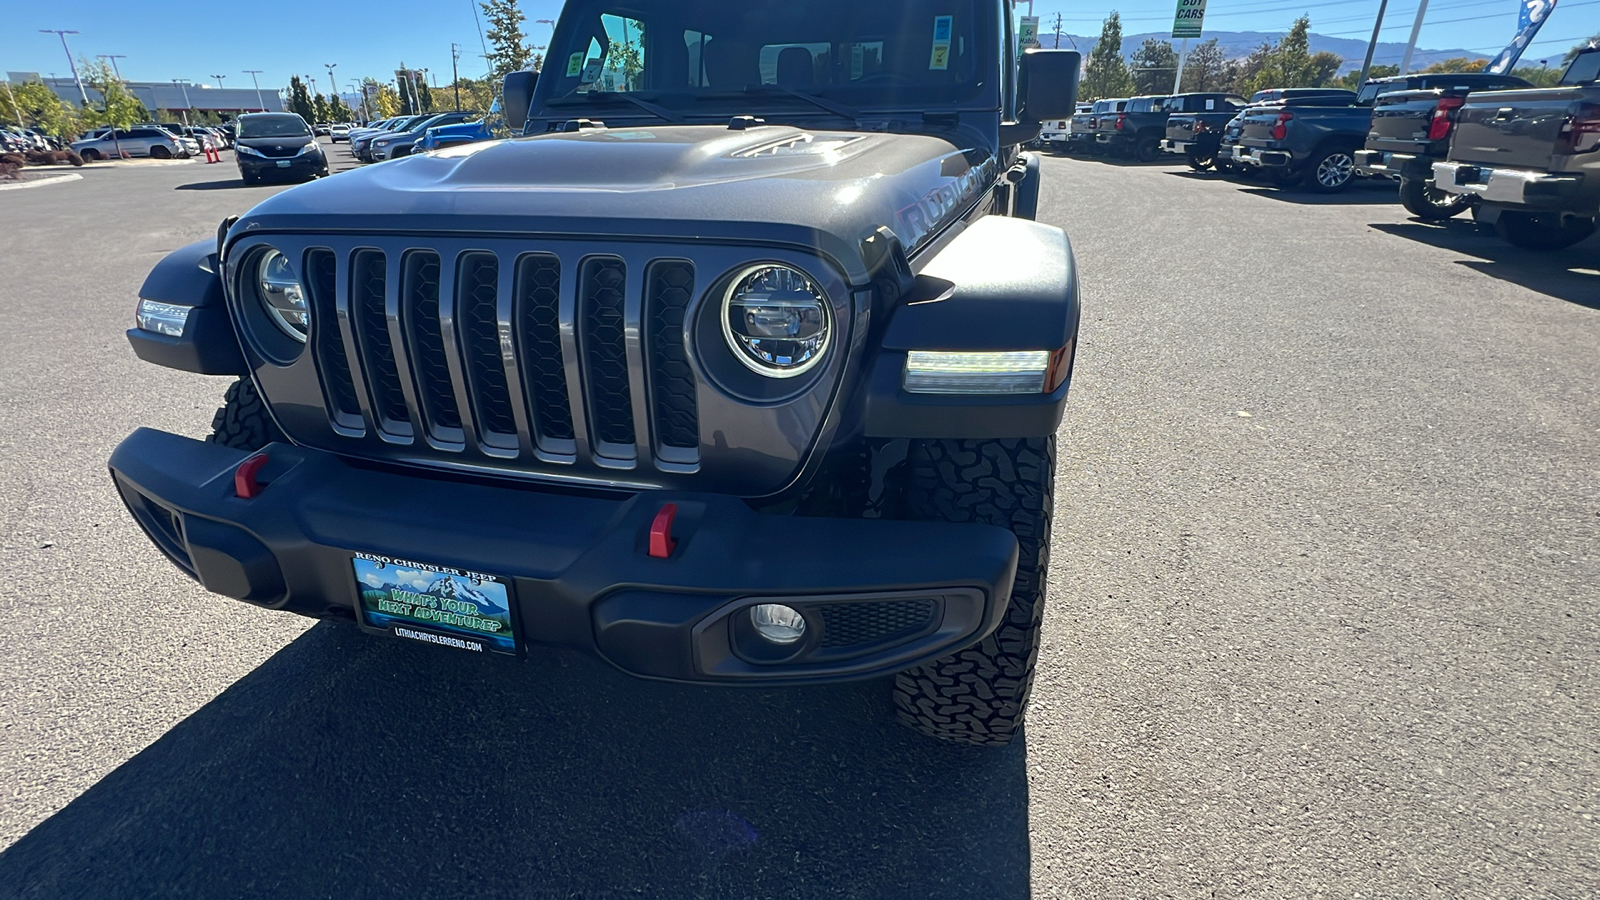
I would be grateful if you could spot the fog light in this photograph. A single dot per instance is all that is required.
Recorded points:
(778, 623)
(162, 318)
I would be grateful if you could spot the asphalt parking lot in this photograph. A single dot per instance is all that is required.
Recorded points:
(1322, 614)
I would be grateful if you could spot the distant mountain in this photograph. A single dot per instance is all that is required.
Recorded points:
(1240, 43)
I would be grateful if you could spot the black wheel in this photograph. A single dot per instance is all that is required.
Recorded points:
(1200, 161)
(1423, 200)
(1541, 231)
(242, 422)
(1331, 172)
(1147, 150)
(159, 152)
(979, 695)
(90, 155)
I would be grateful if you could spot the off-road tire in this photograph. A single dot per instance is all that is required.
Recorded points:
(1541, 231)
(1147, 150)
(980, 695)
(243, 422)
(1423, 200)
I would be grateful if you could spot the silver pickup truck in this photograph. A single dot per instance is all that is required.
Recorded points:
(1532, 158)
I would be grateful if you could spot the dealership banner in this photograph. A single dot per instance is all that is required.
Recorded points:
(1530, 19)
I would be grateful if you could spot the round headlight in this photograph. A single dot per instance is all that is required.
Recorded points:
(281, 294)
(776, 320)
(778, 623)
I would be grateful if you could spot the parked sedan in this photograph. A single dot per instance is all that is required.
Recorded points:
(338, 133)
(277, 145)
(152, 142)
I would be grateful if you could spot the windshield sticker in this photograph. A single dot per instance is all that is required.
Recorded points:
(858, 59)
(591, 72)
(940, 60)
(574, 65)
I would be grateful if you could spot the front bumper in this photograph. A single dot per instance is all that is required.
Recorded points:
(1518, 187)
(578, 565)
(304, 166)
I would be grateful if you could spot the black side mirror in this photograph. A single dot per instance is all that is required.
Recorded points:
(1047, 84)
(517, 91)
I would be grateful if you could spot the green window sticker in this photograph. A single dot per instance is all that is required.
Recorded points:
(939, 61)
(574, 65)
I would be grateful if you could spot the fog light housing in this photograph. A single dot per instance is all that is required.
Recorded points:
(162, 318)
(1010, 372)
(782, 625)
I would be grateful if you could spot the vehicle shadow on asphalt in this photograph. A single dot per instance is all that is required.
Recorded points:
(1572, 275)
(1354, 195)
(355, 766)
(229, 184)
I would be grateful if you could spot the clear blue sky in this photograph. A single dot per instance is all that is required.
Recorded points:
(287, 37)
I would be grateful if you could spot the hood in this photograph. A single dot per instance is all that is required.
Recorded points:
(825, 190)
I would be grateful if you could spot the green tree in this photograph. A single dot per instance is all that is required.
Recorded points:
(1458, 64)
(1106, 74)
(36, 106)
(1153, 67)
(1322, 69)
(382, 101)
(337, 111)
(300, 100)
(1206, 69)
(1352, 81)
(1539, 76)
(320, 108)
(1242, 72)
(118, 107)
(510, 51)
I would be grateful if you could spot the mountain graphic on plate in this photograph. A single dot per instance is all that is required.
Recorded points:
(450, 588)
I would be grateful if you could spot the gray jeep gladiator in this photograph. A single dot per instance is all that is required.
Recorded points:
(742, 365)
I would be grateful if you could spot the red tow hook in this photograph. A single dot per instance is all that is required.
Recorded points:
(245, 485)
(661, 542)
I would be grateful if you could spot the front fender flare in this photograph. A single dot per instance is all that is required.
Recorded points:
(189, 276)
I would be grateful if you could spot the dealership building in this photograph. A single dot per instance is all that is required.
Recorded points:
(176, 97)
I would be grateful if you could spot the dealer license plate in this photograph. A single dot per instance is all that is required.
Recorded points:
(435, 604)
(284, 163)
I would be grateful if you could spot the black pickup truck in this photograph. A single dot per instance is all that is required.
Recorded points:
(1314, 143)
(1531, 158)
(1410, 131)
(1194, 125)
(1135, 130)
(1081, 137)
(625, 384)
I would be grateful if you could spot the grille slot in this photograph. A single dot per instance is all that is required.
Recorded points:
(333, 365)
(419, 311)
(668, 290)
(602, 312)
(536, 305)
(856, 625)
(482, 350)
(368, 296)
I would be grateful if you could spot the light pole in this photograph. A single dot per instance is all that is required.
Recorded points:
(187, 105)
(455, 76)
(113, 57)
(361, 91)
(253, 73)
(83, 94)
(219, 80)
(331, 82)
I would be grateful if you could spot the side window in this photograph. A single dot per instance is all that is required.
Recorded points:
(696, 43)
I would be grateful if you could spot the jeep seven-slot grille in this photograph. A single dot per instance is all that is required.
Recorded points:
(510, 354)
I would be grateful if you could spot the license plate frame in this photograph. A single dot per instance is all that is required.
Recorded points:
(436, 604)
(285, 163)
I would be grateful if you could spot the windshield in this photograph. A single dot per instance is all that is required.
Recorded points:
(273, 126)
(705, 55)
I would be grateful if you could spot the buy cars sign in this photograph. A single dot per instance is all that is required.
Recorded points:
(1190, 16)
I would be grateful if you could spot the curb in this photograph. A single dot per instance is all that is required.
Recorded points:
(36, 182)
(140, 163)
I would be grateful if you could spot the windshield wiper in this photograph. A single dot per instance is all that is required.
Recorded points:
(660, 112)
(838, 109)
